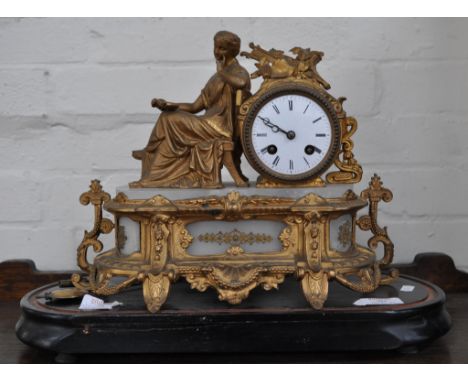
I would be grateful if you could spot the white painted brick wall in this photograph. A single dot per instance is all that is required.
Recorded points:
(74, 102)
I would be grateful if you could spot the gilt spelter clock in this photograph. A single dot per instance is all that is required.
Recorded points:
(294, 221)
(291, 133)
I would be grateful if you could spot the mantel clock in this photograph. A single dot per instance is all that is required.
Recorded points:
(179, 221)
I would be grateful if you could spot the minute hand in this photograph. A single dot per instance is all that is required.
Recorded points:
(274, 127)
(290, 134)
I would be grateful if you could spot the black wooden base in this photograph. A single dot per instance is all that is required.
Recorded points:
(274, 321)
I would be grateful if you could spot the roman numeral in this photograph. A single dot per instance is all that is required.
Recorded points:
(316, 120)
(320, 135)
(305, 159)
(261, 135)
(275, 162)
(291, 165)
(276, 108)
(306, 108)
(290, 103)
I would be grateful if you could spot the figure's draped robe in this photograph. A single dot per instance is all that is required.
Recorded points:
(185, 150)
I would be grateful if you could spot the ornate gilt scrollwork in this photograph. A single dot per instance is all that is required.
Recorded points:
(368, 279)
(99, 282)
(374, 194)
(97, 197)
(350, 171)
(233, 282)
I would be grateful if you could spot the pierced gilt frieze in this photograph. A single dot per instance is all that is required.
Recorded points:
(234, 237)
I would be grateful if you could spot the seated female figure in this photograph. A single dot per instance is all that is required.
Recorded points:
(185, 150)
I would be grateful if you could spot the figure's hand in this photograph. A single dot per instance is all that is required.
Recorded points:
(158, 103)
(163, 105)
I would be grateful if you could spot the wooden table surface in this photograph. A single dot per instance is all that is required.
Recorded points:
(451, 348)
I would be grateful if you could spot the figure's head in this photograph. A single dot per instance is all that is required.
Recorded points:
(226, 45)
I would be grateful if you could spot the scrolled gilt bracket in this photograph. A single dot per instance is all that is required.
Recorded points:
(375, 193)
(97, 197)
(350, 169)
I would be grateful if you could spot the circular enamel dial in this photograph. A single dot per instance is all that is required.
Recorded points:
(291, 135)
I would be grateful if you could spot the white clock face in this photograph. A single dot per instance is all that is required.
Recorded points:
(291, 134)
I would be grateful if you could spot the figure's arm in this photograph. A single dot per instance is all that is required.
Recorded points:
(193, 108)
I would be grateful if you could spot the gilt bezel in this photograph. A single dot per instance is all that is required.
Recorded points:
(273, 93)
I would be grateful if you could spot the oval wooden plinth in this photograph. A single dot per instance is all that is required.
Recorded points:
(274, 321)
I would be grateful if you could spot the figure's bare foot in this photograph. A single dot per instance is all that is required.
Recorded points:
(136, 184)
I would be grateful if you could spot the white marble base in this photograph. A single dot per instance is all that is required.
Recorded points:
(207, 245)
(330, 191)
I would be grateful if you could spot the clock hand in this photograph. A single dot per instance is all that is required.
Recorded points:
(274, 127)
(290, 134)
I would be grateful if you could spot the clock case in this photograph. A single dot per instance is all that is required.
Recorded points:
(285, 75)
(306, 241)
(253, 106)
